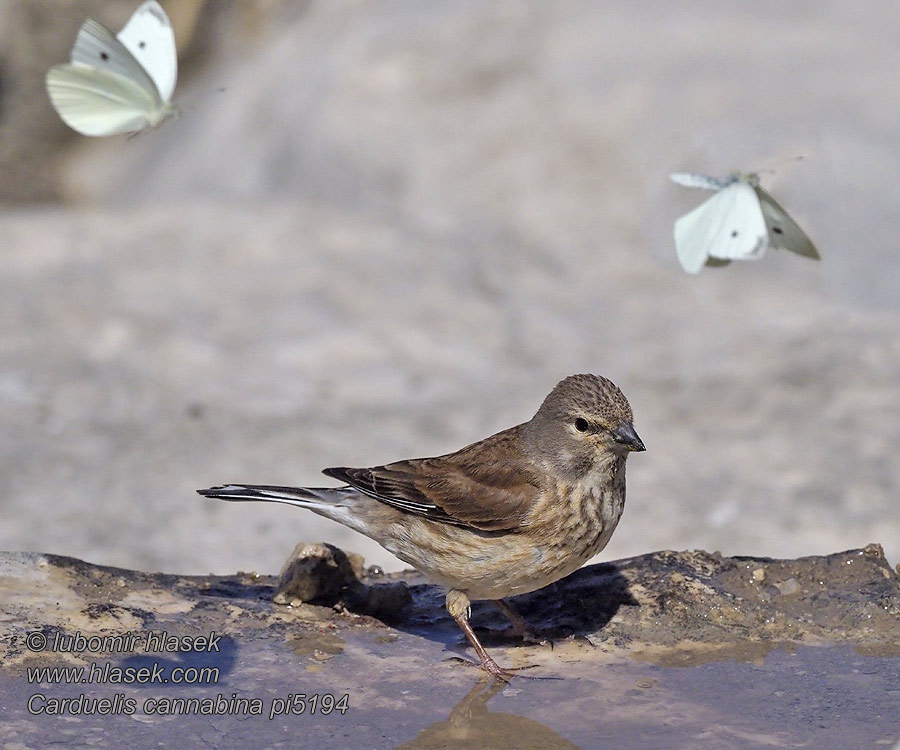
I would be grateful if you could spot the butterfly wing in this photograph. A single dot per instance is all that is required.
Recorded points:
(149, 38)
(784, 233)
(97, 47)
(728, 226)
(97, 102)
(694, 180)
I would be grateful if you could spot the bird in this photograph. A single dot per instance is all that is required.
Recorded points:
(503, 516)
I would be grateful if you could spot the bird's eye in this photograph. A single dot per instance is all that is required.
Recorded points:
(581, 425)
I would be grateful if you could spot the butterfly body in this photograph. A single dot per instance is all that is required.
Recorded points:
(118, 83)
(740, 222)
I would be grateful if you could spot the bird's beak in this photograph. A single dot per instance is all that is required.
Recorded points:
(625, 435)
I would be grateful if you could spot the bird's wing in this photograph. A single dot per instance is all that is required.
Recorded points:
(488, 485)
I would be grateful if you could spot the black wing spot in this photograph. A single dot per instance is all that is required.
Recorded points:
(778, 230)
(104, 56)
(142, 44)
(734, 232)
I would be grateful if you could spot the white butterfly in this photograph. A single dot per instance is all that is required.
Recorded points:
(118, 84)
(738, 223)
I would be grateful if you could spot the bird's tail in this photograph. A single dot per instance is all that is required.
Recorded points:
(325, 500)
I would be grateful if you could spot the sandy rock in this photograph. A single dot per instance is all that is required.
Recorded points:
(317, 572)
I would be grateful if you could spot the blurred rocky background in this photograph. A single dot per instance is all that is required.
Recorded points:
(385, 230)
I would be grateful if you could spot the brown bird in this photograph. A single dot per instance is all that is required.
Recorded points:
(503, 516)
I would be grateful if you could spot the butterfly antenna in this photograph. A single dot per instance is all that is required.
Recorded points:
(773, 168)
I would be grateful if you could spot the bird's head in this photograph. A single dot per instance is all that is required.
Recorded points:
(586, 421)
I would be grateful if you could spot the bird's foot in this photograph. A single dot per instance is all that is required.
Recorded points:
(491, 667)
(503, 674)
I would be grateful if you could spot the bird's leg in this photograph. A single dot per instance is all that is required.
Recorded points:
(460, 609)
(520, 626)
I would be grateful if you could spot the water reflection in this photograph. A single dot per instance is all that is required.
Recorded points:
(471, 724)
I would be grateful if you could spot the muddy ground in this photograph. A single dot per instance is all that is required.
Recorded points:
(682, 649)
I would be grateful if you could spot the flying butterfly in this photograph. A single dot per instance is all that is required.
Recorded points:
(740, 222)
(118, 83)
